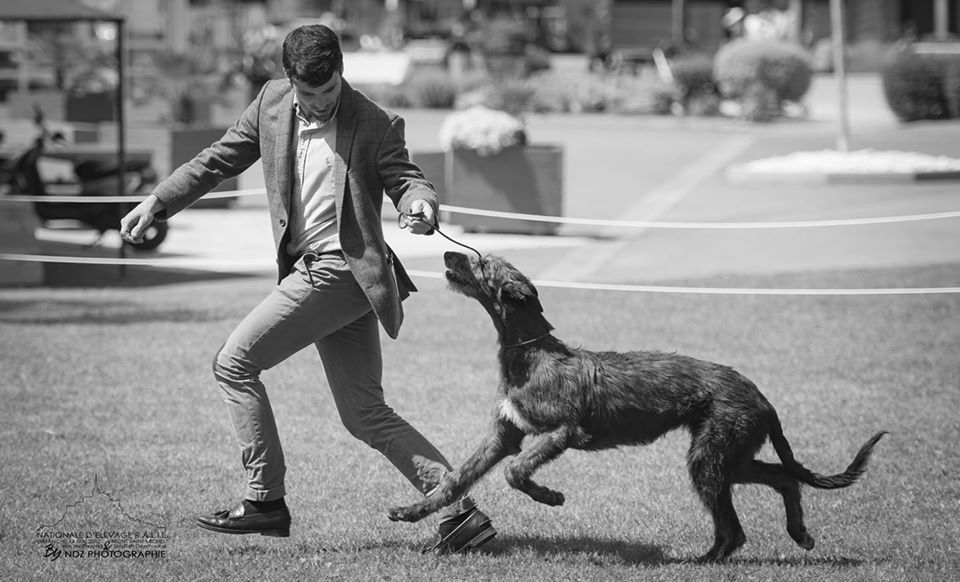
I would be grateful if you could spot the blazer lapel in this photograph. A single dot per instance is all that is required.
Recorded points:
(346, 127)
(285, 149)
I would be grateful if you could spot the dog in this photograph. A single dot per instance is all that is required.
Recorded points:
(564, 397)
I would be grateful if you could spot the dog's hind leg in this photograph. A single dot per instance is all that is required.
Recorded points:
(774, 475)
(505, 440)
(709, 464)
(541, 450)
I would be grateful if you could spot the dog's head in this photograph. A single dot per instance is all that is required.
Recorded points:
(494, 282)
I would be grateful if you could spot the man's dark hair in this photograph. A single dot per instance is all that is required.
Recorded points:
(311, 54)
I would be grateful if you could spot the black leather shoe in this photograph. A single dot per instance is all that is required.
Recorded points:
(464, 532)
(245, 519)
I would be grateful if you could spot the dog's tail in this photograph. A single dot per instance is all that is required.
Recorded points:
(856, 468)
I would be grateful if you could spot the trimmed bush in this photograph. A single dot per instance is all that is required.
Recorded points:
(760, 104)
(641, 96)
(388, 96)
(569, 93)
(951, 85)
(431, 89)
(782, 67)
(921, 86)
(515, 96)
(693, 74)
(695, 85)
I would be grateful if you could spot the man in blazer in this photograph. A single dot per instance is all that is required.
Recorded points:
(328, 156)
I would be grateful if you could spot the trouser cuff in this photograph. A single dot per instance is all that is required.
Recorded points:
(457, 508)
(265, 494)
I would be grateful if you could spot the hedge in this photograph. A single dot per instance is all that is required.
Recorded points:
(781, 67)
(921, 86)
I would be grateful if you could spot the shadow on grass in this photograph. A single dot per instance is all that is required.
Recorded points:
(69, 275)
(55, 312)
(832, 561)
(601, 550)
(306, 549)
(622, 551)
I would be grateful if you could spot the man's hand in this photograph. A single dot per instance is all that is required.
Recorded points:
(137, 220)
(424, 221)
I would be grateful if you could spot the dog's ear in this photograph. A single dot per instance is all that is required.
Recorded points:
(520, 291)
(517, 290)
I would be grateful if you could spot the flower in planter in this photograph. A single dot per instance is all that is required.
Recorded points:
(486, 131)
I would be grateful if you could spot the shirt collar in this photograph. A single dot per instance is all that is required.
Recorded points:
(313, 122)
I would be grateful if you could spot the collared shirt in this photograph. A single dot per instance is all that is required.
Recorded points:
(313, 213)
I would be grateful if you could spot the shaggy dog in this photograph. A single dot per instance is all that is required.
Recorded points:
(564, 397)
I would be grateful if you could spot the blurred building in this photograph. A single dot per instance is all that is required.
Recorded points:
(195, 28)
(654, 21)
(883, 20)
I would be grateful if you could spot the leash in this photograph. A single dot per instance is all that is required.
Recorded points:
(435, 228)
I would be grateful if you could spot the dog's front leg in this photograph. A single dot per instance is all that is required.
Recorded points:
(540, 451)
(505, 440)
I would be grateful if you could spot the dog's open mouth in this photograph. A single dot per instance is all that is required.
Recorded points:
(458, 272)
(456, 278)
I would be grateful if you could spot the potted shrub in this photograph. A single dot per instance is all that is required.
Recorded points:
(92, 97)
(489, 165)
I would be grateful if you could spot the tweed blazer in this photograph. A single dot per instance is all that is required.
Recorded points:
(371, 158)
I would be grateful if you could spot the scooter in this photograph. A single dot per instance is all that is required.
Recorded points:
(21, 175)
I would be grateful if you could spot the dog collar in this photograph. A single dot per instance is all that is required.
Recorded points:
(526, 342)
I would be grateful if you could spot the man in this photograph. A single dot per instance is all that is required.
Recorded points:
(328, 154)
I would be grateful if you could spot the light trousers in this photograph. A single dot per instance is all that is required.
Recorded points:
(318, 303)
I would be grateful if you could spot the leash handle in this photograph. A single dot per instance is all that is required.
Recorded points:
(418, 216)
(435, 228)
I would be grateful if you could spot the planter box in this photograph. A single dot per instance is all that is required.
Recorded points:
(434, 167)
(18, 226)
(187, 142)
(171, 147)
(91, 107)
(526, 179)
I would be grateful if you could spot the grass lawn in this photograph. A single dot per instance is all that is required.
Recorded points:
(114, 385)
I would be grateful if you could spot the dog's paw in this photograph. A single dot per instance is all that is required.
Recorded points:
(408, 513)
(549, 497)
(803, 539)
(400, 514)
(429, 472)
(556, 499)
(806, 542)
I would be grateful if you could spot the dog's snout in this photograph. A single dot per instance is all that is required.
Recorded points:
(453, 259)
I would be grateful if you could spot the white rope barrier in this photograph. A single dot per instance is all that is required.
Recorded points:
(159, 262)
(703, 225)
(726, 290)
(120, 199)
(554, 219)
(201, 263)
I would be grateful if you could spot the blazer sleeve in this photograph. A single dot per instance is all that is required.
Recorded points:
(402, 180)
(229, 156)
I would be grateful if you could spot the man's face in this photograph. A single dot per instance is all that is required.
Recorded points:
(318, 102)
